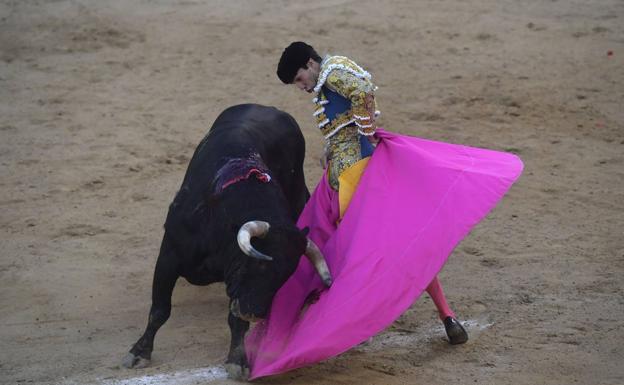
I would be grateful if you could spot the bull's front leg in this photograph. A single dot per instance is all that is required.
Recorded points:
(236, 363)
(165, 277)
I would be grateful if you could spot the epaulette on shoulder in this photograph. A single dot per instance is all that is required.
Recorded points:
(342, 63)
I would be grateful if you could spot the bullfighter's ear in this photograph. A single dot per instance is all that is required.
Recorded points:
(305, 231)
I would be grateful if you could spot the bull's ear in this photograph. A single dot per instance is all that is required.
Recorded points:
(305, 231)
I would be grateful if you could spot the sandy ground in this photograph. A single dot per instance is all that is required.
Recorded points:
(103, 102)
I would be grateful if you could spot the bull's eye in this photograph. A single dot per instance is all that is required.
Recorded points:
(262, 265)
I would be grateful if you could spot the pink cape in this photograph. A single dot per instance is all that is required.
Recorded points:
(416, 200)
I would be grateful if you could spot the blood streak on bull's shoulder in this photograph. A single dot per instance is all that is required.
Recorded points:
(239, 169)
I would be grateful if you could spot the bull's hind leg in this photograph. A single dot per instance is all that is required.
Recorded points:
(165, 277)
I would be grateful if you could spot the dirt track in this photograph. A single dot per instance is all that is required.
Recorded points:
(102, 104)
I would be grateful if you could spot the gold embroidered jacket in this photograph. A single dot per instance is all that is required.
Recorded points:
(345, 110)
(345, 77)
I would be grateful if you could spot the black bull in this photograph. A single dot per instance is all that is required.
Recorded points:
(245, 182)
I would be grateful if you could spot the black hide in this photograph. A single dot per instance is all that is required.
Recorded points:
(200, 244)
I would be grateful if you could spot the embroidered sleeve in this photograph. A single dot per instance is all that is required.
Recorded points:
(361, 93)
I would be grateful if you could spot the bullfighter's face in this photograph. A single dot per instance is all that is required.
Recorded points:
(257, 281)
(306, 78)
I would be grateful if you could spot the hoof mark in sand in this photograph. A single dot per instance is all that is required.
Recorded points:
(81, 230)
(94, 184)
(472, 250)
(490, 262)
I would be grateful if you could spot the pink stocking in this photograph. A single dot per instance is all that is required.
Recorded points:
(437, 295)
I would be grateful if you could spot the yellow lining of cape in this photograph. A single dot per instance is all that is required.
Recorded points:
(348, 182)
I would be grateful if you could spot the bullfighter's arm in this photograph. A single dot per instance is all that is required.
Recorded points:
(361, 93)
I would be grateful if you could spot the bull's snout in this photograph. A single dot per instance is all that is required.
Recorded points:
(236, 312)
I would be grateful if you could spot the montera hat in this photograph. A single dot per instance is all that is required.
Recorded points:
(295, 56)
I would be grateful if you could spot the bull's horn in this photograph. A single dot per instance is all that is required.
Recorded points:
(318, 260)
(252, 229)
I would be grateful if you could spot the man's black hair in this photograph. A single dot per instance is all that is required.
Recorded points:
(295, 56)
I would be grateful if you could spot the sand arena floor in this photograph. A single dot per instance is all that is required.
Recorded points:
(103, 102)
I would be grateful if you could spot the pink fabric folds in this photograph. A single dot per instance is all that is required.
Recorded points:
(416, 200)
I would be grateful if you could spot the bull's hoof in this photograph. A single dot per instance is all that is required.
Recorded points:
(131, 361)
(237, 372)
(455, 331)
